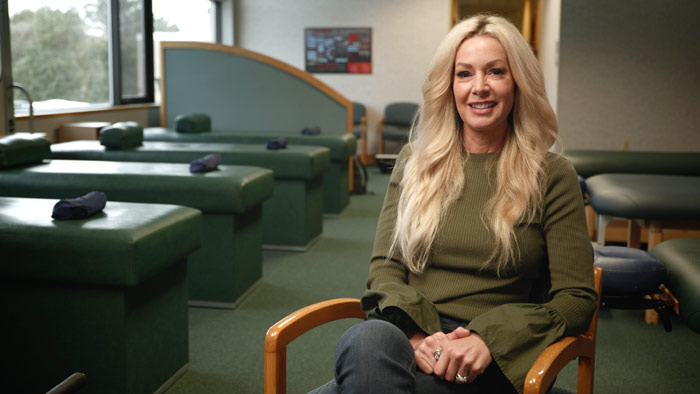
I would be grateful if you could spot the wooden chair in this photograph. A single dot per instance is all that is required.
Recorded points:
(538, 379)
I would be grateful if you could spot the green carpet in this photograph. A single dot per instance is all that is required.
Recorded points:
(226, 346)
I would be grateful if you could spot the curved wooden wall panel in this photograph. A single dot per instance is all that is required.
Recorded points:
(245, 90)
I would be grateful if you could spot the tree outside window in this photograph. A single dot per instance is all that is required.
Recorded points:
(60, 51)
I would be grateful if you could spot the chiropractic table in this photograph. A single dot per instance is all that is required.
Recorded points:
(105, 296)
(229, 262)
(292, 217)
(593, 162)
(336, 180)
(657, 203)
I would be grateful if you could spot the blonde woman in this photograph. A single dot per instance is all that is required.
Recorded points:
(481, 257)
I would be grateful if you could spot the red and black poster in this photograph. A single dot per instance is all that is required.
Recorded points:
(338, 50)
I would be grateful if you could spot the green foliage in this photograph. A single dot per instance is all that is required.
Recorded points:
(53, 56)
(57, 54)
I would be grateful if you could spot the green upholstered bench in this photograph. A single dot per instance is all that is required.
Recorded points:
(591, 162)
(292, 218)
(336, 193)
(230, 260)
(106, 296)
(682, 260)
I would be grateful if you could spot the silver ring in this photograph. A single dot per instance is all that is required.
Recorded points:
(459, 379)
(437, 353)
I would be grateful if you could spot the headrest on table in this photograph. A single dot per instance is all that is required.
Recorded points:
(121, 135)
(23, 148)
(192, 123)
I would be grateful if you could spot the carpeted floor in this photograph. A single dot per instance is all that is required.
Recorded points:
(226, 346)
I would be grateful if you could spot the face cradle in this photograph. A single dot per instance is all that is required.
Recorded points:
(483, 87)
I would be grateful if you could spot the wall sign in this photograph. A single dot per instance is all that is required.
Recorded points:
(338, 50)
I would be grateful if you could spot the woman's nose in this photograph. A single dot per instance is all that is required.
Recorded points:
(480, 86)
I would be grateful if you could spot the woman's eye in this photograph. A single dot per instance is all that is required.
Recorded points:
(498, 71)
(463, 74)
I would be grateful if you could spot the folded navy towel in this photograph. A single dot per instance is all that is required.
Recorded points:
(276, 143)
(206, 163)
(81, 207)
(313, 130)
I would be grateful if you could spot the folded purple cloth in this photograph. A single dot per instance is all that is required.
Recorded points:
(206, 163)
(81, 207)
(313, 130)
(276, 143)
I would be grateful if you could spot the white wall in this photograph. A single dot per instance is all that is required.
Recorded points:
(405, 34)
(629, 70)
(548, 48)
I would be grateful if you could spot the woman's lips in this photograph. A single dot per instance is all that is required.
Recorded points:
(482, 107)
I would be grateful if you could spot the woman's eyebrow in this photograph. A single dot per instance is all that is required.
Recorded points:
(489, 64)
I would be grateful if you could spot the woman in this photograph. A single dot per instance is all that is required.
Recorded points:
(481, 257)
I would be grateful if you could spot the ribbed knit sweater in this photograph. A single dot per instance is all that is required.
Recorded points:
(548, 294)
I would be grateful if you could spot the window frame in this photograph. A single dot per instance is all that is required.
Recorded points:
(116, 96)
(115, 71)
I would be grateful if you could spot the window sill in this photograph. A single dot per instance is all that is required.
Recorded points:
(88, 110)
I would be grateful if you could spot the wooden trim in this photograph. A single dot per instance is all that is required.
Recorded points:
(91, 110)
(454, 12)
(238, 51)
(526, 27)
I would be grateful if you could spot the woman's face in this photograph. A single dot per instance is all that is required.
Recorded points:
(483, 86)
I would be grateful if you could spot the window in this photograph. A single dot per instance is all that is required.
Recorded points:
(72, 54)
(182, 20)
(59, 53)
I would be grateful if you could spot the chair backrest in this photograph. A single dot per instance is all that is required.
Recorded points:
(400, 114)
(358, 112)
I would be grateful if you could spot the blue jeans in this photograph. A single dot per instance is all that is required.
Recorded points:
(375, 356)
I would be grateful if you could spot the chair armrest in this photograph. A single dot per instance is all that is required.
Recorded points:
(553, 359)
(71, 385)
(295, 324)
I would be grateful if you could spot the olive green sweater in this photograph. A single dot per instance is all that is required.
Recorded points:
(548, 294)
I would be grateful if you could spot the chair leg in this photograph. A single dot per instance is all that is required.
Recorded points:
(585, 375)
(276, 372)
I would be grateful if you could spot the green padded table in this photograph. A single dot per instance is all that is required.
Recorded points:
(336, 193)
(105, 295)
(230, 260)
(592, 162)
(658, 201)
(292, 217)
(682, 260)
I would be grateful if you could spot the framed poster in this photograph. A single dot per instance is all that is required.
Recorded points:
(338, 50)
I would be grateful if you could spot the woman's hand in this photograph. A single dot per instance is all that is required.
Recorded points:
(469, 356)
(425, 346)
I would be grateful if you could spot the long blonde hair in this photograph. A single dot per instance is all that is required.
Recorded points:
(433, 175)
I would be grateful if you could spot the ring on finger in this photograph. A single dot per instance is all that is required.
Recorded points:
(459, 379)
(437, 353)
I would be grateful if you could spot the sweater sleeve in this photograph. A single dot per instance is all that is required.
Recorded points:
(516, 334)
(388, 295)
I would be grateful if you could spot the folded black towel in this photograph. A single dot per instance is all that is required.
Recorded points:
(206, 163)
(313, 130)
(81, 207)
(276, 143)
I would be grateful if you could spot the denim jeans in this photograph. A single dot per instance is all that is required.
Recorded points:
(376, 357)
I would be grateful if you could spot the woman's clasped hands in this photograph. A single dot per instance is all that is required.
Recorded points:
(460, 356)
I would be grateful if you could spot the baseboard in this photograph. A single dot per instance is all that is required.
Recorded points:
(224, 305)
